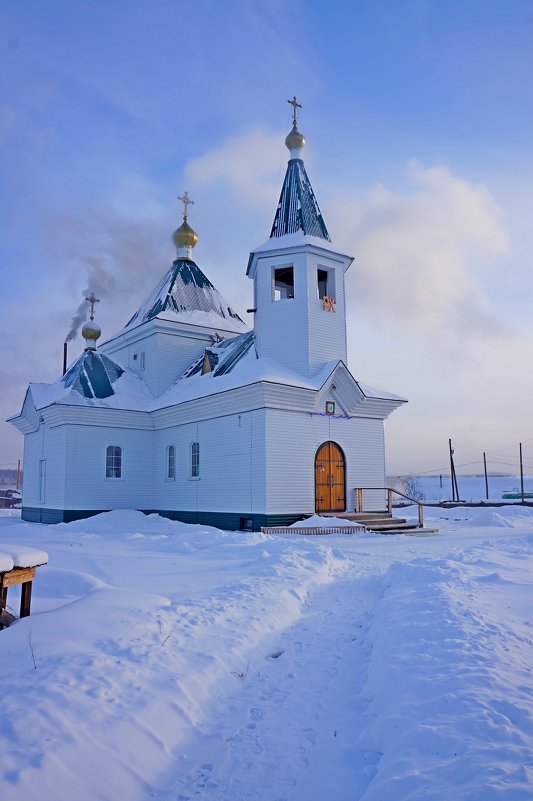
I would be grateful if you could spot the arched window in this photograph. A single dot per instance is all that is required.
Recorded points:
(195, 460)
(113, 462)
(171, 462)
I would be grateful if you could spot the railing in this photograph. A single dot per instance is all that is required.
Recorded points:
(390, 492)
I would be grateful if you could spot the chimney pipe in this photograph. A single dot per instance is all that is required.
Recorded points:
(65, 346)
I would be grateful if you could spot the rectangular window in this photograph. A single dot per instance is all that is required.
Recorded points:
(325, 280)
(113, 462)
(142, 361)
(171, 462)
(283, 283)
(195, 460)
(322, 281)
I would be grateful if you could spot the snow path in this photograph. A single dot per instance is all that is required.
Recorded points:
(298, 700)
(356, 703)
(182, 663)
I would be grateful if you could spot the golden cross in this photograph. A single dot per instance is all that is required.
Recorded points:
(294, 103)
(185, 199)
(92, 300)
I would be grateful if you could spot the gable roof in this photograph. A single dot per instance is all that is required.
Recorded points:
(298, 208)
(184, 289)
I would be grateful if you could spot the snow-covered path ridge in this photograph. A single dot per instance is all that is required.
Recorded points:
(179, 662)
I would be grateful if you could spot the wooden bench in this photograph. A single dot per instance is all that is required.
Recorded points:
(17, 566)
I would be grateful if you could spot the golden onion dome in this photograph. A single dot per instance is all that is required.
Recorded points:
(295, 140)
(184, 236)
(91, 331)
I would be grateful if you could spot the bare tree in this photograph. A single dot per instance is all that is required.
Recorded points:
(412, 487)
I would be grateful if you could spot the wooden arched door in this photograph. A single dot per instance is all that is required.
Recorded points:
(330, 493)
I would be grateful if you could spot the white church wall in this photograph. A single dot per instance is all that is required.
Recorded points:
(87, 484)
(298, 331)
(233, 464)
(231, 468)
(327, 330)
(175, 354)
(281, 325)
(292, 441)
(33, 447)
(138, 352)
(44, 468)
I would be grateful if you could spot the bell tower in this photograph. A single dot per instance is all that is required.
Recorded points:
(299, 299)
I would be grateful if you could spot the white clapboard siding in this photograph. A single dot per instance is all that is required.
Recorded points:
(48, 445)
(281, 325)
(232, 465)
(293, 440)
(327, 330)
(87, 485)
(297, 331)
(33, 447)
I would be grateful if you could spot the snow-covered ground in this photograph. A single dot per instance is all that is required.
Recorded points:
(178, 663)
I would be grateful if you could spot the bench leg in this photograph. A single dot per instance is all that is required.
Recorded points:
(3, 599)
(25, 599)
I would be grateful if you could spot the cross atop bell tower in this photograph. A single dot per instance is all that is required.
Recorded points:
(294, 103)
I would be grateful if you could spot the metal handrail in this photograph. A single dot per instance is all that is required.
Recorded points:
(390, 491)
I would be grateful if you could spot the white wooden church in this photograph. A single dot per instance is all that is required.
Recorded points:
(188, 413)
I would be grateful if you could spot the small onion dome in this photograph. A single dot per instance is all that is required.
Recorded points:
(184, 236)
(295, 140)
(91, 331)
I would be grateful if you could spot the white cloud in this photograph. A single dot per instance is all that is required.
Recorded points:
(422, 255)
(250, 165)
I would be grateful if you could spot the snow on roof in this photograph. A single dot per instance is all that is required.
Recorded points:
(127, 390)
(93, 375)
(238, 365)
(183, 291)
(234, 363)
(379, 394)
(297, 239)
(293, 240)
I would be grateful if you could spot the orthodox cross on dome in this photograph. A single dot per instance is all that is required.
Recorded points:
(294, 103)
(92, 300)
(186, 200)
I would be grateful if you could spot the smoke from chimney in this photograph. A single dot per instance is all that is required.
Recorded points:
(100, 281)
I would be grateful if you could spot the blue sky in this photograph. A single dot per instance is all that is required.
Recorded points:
(419, 123)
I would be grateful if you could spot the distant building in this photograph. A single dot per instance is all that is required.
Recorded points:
(188, 413)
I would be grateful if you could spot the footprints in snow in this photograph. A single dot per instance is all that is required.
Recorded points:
(275, 654)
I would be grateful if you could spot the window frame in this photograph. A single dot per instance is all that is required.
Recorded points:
(282, 268)
(331, 289)
(194, 461)
(170, 463)
(111, 467)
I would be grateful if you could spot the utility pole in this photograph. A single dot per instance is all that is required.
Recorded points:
(486, 479)
(17, 486)
(521, 475)
(455, 488)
